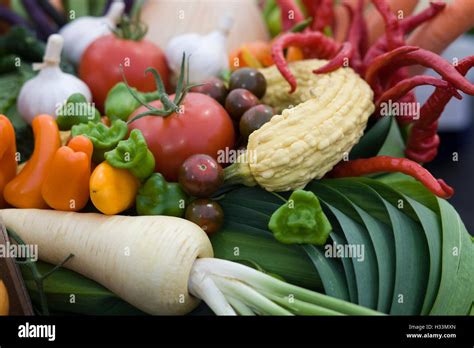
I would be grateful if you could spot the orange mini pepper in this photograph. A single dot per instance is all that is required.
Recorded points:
(66, 186)
(24, 191)
(8, 162)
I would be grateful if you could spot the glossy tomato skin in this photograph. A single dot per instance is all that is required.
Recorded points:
(100, 65)
(203, 127)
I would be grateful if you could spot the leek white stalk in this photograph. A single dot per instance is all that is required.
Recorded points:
(49, 90)
(81, 32)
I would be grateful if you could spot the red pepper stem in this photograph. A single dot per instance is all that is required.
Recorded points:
(389, 164)
(393, 31)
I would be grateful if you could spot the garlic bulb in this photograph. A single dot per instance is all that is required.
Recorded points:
(208, 53)
(81, 32)
(46, 92)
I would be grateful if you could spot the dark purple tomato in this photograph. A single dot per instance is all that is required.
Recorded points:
(253, 119)
(213, 87)
(201, 176)
(249, 79)
(206, 214)
(238, 101)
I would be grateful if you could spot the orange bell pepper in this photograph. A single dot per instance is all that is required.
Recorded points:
(8, 162)
(66, 186)
(254, 54)
(24, 191)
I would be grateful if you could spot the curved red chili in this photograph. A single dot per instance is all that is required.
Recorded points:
(401, 88)
(393, 60)
(357, 35)
(389, 164)
(412, 22)
(324, 15)
(423, 141)
(339, 60)
(316, 44)
(393, 31)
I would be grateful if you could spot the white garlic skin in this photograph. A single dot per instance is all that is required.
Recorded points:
(46, 92)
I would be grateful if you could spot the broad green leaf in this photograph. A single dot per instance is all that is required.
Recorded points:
(380, 234)
(456, 291)
(237, 241)
(372, 141)
(338, 238)
(365, 268)
(394, 144)
(330, 271)
(69, 292)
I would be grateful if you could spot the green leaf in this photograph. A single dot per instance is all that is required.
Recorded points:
(237, 241)
(366, 271)
(394, 145)
(456, 292)
(69, 292)
(372, 140)
(338, 238)
(380, 234)
(330, 271)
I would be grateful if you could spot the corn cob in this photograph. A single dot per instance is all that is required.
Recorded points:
(320, 123)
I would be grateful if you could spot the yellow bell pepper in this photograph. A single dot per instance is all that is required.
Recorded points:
(112, 190)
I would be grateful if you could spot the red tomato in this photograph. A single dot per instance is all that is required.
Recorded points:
(204, 127)
(100, 65)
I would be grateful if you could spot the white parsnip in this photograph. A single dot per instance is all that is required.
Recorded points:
(145, 260)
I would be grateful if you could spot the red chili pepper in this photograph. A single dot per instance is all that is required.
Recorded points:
(357, 35)
(324, 15)
(407, 25)
(316, 45)
(290, 14)
(340, 59)
(412, 22)
(389, 164)
(401, 88)
(371, 76)
(387, 63)
(393, 31)
(423, 141)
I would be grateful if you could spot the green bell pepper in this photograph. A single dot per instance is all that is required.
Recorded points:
(133, 154)
(103, 138)
(300, 220)
(158, 197)
(120, 103)
(75, 111)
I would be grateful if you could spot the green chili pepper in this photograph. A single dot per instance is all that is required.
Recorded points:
(75, 111)
(103, 138)
(300, 220)
(120, 104)
(158, 197)
(133, 154)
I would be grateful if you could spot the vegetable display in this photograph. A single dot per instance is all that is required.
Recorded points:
(283, 178)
